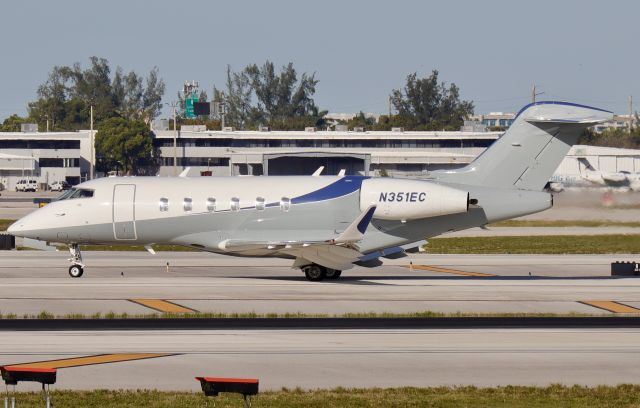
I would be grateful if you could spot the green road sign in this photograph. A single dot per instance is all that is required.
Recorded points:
(191, 99)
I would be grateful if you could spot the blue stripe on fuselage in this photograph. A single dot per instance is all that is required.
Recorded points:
(346, 185)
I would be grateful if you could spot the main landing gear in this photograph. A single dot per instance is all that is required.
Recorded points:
(77, 268)
(316, 273)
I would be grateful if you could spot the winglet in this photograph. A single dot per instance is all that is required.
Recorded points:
(318, 172)
(185, 172)
(355, 231)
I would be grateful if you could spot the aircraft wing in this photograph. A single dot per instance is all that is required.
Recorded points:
(333, 252)
(325, 253)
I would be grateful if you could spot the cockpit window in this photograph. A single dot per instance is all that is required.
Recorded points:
(76, 193)
(65, 195)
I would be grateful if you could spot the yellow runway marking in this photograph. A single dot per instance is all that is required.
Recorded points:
(163, 306)
(447, 270)
(611, 306)
(90, 360)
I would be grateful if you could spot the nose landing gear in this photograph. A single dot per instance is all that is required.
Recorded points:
(77, 268)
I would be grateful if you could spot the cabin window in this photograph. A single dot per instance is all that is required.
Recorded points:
(285, 204)
(211, 204)
(164, 204)
(235, 204)
(187, 204)
(260, 203)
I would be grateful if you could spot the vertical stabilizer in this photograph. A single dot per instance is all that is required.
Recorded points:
(530, 151)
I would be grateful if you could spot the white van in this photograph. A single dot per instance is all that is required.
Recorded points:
(59, 186)
(27, 185)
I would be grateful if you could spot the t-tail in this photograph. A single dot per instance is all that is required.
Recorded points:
(530, 151)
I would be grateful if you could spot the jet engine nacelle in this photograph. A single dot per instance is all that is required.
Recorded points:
(411, 199)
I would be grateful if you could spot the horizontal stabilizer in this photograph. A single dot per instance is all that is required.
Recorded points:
(564, 113)
(586, 121)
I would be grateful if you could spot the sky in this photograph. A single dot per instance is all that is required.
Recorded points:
(580, 51)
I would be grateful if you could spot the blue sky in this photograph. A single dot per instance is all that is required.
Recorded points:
(582, 51)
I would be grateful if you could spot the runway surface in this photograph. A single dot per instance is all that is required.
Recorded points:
(138, 283)
(322, 323)
(325, 359)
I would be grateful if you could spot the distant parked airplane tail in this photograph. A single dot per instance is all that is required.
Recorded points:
(530, 151)
(586, 163)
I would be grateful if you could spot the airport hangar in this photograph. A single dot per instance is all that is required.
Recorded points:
(56, 156)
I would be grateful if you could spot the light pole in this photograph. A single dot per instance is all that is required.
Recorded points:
(92, 147)
(174, 105)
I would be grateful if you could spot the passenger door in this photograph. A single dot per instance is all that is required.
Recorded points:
(124, 220)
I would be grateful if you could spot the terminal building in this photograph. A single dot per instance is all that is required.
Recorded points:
(230, 153)
(45, 157)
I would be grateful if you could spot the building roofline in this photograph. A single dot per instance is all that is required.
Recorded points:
(328, 135)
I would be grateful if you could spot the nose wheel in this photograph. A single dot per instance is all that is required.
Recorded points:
(76, 271)
(77, 268)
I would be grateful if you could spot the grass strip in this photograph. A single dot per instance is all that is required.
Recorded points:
(4, 224)
(546, 244)
(435, 397)
(44, 315)
(565, 223)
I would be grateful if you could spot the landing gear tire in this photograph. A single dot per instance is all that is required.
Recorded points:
(77, 266)
(333, 274)
(314, 273)
(76, 271)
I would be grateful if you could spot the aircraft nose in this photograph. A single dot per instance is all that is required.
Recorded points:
(15, 228)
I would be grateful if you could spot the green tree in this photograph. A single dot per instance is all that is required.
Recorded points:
(238, 99)
(93, 86)
(426, 104)
(152, 97)
(12, 123)
(55, 101)
(67, 94)
(612, 138)
(125, 145)
(282, 96)
(361, 120)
